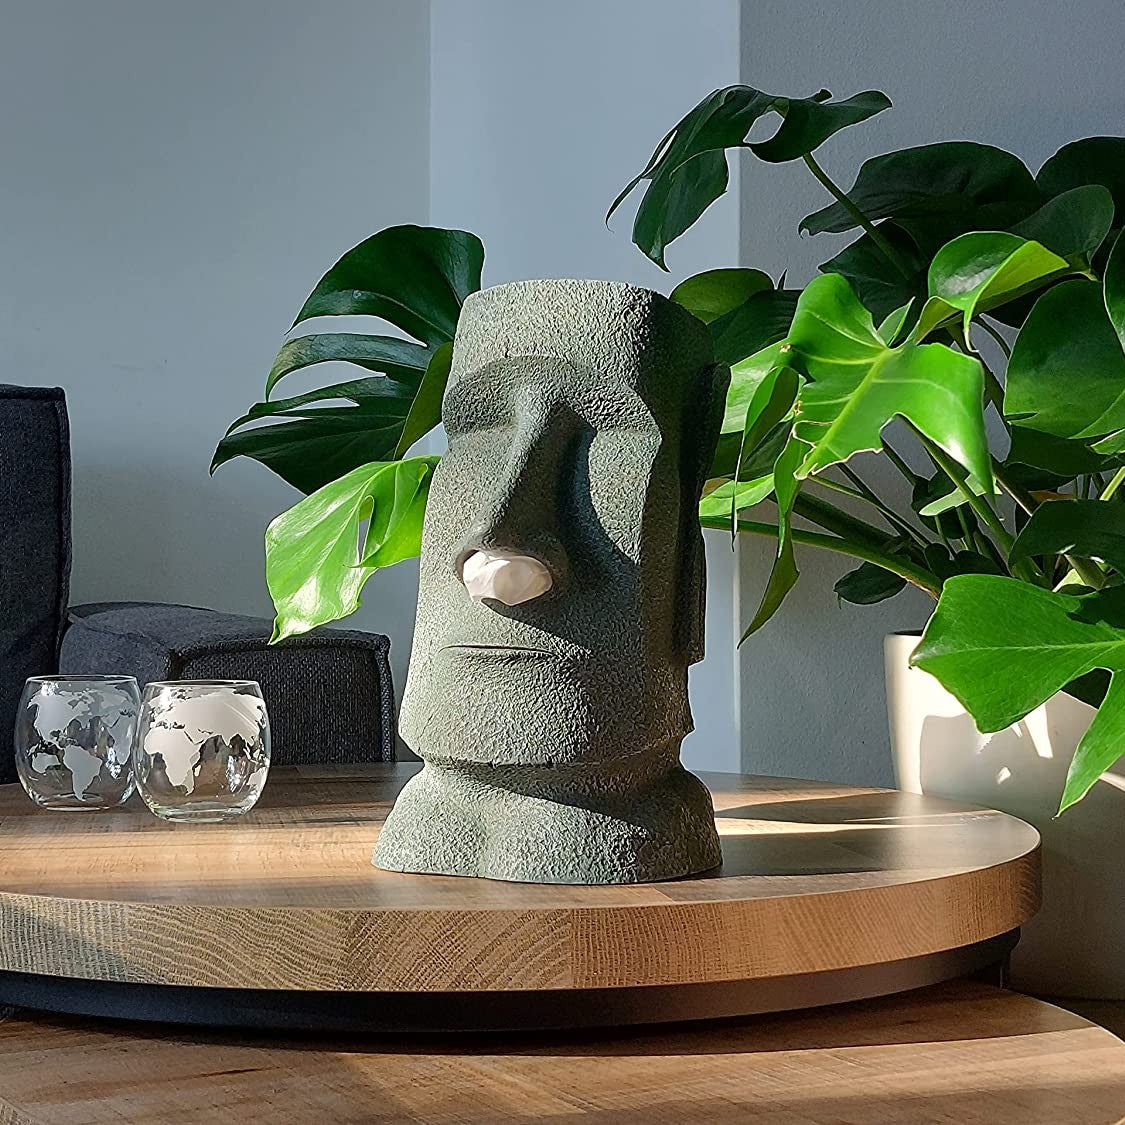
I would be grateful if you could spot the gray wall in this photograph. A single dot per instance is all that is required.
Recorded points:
(1025, 77)
(176, 178)
(540, 114)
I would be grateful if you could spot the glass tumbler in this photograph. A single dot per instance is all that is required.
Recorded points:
(202, 750)
(73, 739)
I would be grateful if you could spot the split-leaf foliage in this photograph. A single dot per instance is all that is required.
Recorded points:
(898, 351)
(962, 257)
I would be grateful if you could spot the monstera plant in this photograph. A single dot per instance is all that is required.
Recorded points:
(959, 249)
(347, 444)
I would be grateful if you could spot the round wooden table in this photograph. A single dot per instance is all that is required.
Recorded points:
(826, 894)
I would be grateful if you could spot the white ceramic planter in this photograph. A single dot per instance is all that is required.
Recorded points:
(1076, 944)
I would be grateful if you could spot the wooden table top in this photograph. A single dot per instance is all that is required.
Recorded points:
(961, 1053)
(814, 877)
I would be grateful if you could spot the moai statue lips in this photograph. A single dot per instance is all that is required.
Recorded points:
(561, 594)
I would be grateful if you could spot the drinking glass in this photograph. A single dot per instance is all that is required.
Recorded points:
(202, 750)
(73, 738)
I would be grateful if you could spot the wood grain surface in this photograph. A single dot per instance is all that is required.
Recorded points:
(956, 1054)
(814, 877)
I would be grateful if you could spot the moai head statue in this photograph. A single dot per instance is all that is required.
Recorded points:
(562, 594)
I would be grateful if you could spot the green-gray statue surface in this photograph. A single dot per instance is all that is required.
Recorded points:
(562, 594)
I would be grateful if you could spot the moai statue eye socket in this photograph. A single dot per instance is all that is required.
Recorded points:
(561, 594)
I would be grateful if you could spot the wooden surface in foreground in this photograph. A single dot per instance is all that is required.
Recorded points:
(962, 1053)
(815, 877)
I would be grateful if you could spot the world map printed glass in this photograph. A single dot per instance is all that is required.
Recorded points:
(202, 750)
(73, 739)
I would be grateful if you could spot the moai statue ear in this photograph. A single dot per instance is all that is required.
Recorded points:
(703, 419)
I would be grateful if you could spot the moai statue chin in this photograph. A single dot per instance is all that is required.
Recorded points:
(562, 594)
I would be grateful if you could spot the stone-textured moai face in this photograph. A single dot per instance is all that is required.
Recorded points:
(561, 594)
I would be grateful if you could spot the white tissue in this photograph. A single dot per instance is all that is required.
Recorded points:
(506, 576)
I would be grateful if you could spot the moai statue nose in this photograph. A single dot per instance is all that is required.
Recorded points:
(506, 576)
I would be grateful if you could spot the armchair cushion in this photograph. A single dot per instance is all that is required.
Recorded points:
(329, 693)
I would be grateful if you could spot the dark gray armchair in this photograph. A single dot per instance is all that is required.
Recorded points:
(329, 694)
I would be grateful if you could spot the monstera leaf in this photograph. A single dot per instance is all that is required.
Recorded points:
(1088, 529)
(783, 574)
(314, 443)
(1073, 224)
(1093, 160)
(1041, 640)
(771, 401)
(711, 294)
(401, 360)
(688, 171)
(868, 584)
(858, 384)
(880, 283)
(762, 319)
(936, 192)
(318, 558)
(1114, 288)
(732, 495)
(759, 413)
(1048, 457)
(745, 379)
(744, 311)
(771, 405)
(979, 271)
(425, 409)
(1114, 293)
(415, 278)
(1066, 376)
